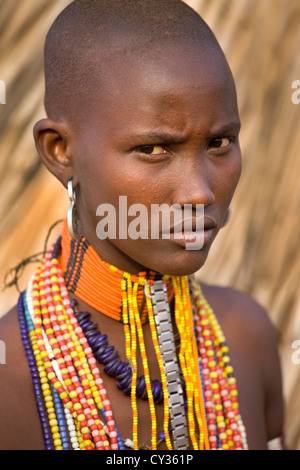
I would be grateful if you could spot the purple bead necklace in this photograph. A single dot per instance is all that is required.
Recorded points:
(110, 358)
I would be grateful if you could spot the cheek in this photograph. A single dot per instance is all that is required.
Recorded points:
(236, 171)
(104, 179)
(224, 182)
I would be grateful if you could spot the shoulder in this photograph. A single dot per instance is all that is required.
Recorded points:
(253, 342)
(13, 367)
(248, 329)
(10, 336)
(19, 424)
(240, 313)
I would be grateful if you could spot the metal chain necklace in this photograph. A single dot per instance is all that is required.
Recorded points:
(162, 315)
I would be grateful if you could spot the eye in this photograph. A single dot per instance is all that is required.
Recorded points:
(220, 142)
(152, 149)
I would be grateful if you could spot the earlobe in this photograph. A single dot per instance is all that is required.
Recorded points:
(51, 140)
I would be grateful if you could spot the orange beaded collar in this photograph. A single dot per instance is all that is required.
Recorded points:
(98, 283)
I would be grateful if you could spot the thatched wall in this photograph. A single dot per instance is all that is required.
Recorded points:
(258, 251)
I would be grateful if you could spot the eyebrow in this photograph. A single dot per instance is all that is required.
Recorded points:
(176, 137)
(172, 136)
(232, 127)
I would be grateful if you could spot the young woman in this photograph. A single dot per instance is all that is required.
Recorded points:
(125, 349)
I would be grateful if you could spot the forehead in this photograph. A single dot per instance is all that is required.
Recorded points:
(170, 81)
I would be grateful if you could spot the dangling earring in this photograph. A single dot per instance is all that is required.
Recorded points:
(227, 217)
(73, 215)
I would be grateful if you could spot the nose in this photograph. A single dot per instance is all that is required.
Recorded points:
(192, 186)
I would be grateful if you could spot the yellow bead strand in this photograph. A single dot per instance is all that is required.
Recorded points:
(125, 319)
(134, 366)
(146, 368)
(161, 368)
(200, 403)
(188, 357)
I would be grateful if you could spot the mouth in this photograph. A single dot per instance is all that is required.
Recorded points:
(193, 224)
(192, 234)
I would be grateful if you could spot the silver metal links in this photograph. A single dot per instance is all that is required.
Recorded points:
(166, 342)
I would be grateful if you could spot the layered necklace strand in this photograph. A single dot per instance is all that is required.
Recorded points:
(63, 347)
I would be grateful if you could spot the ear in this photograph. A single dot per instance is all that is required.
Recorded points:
(52, 143)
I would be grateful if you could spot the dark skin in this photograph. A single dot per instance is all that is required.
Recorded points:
(172, 139)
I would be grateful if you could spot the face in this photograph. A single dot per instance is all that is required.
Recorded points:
(162, 130)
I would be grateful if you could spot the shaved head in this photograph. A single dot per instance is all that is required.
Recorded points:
(89, 35)
(141, 102)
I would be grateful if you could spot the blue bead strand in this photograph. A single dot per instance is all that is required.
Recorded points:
(60, 416)
(26, 326)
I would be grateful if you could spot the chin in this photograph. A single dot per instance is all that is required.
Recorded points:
(183, 264)
(162, 257)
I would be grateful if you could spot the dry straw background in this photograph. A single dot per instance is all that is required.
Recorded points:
(258, 252)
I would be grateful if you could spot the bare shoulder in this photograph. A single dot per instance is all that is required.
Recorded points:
(239, 312)
(253, 344)
(10, 336)
(19, 424)
(247, 327)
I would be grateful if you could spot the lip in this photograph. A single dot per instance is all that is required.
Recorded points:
(191, 225)
(191, 233)
(191, 240)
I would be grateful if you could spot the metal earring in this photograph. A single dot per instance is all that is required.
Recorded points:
(73, 215)
(227, 217)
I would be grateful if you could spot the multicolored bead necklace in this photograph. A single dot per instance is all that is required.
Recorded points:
(63, 347)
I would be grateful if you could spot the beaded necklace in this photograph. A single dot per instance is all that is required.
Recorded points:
(96, 282)
(63, 347)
